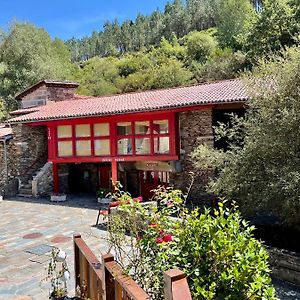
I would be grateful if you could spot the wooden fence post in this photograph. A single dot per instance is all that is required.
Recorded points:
(76, 260)
(108, 279)
(176, 286)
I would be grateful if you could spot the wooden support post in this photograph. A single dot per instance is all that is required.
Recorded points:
(114, 172)
(176, 286)
(55, 178)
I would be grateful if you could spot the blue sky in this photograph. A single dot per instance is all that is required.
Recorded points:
(66, 18)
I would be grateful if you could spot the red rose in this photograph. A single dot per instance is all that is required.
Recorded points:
(159, 240)
(168, 238)
(162, 232)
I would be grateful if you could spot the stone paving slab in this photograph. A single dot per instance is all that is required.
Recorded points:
(25, 224)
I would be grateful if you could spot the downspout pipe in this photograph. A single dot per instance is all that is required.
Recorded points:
(4, 140)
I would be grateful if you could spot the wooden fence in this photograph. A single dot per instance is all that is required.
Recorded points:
(105, 280)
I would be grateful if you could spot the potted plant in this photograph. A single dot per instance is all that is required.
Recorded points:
(58, 275)
(104, 198)
(55, 197)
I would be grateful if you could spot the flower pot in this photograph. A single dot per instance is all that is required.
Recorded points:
(104, 202)
(58, 198)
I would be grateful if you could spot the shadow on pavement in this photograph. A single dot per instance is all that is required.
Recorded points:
(78, 201)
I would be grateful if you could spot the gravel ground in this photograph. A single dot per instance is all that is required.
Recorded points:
(285, 290)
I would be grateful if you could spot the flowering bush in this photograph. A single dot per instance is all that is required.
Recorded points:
(215, 249)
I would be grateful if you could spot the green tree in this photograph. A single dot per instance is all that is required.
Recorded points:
(98, 77)
(132, 63)
(224, 64)
(202, 14)
(275, 27)
(262, 169)
(27, 55)
(2, 110)
(200, 45)
(168, 49)
(234, 17)
(140, 33)
(127, 36)
(175, 20)
(170, 74)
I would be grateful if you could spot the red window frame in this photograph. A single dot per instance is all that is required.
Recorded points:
(133, 136)
(74, 139)
(113, 137)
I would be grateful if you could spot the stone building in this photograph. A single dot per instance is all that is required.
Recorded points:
(61, 142)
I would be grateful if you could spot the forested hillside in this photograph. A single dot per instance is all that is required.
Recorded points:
(179, 18)
(191, 41)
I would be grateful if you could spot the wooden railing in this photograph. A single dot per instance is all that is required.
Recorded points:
(105, 280)
(176, 286)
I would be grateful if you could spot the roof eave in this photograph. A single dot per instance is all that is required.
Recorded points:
(126, 112)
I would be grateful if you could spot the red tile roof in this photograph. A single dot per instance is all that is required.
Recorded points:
(4, 131)
(23, 111)
(228, 91)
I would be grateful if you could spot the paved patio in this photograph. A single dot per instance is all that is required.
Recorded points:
(26, 223)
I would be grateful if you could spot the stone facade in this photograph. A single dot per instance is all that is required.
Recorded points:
(7, 182)
(195, 129)
(60, 93)
(27, 152)
(32, 149)
(63, 175)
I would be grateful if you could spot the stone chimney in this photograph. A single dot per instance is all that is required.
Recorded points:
(47, 91)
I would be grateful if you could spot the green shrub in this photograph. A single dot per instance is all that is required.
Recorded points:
(200, 46)
(216, 249)
(224, 64)
(221, 257)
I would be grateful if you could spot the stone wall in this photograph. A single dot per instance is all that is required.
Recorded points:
(39, 93)
(285, 265)
(63, 177)
(26, 153)
(8, 185)
(32, 149)
(195, 129)
(60, 93)
(42, 184)
(50, 93)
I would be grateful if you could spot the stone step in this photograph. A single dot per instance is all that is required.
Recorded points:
(25, 191)
(24, 196)
(27, 186)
